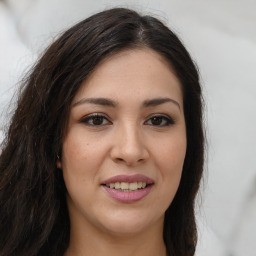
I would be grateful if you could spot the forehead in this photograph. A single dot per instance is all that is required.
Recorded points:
(130, 73)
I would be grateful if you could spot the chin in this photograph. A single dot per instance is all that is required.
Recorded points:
(129, 224)
(124, 229)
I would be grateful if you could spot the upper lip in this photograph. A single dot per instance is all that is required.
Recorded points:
(129, 179)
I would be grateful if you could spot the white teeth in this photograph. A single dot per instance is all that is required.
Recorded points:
(139, 184)
(133, 186)
(126, 186)
(117, 185)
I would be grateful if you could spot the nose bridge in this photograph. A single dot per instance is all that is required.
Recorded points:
(129, 145)
(131, 137)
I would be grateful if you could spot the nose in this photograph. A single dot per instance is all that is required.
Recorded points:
(128, 146)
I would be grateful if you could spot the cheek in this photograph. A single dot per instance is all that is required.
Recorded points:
(171, 157)
(78, 172)
(82, 157)
(74, 159)
(77, 152)
(171, 154)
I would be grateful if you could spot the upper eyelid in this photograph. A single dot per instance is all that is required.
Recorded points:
(87, 118)
(95, 114)
(170, 118)
(160, 115)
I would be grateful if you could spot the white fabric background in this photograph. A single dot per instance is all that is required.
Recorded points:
(221, 36)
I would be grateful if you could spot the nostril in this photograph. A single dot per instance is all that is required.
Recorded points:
(128, 161)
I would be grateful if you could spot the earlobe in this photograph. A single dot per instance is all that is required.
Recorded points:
(58, 163)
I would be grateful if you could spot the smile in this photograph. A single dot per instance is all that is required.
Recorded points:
(128, 188)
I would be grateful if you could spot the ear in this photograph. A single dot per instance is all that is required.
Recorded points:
(58, 163)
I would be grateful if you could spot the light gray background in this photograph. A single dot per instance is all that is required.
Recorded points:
(221, 36)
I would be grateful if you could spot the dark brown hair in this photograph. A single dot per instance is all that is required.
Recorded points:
(33, 214)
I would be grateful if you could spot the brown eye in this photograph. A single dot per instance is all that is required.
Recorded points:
(157, 120)
(160, 120)
(95, 120)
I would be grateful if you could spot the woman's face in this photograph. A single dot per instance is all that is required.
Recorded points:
(125, 145)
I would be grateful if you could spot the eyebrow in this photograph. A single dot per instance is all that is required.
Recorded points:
(159, 101)
(96, 101)
(112, 103)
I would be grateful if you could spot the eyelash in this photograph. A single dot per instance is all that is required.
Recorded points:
(88, 120)
(167, 120)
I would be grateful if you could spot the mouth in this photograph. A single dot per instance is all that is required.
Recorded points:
(128, 188)
(128, 182)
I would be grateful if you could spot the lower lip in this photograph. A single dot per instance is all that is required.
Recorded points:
(128, 197)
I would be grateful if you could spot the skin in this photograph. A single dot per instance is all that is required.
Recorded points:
(126, 140)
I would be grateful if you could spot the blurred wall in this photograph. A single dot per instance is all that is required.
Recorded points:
(221, 36)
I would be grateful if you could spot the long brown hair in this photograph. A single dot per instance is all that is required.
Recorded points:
(33, 214)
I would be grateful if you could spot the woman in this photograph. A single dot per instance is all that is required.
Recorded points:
(104, 153)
